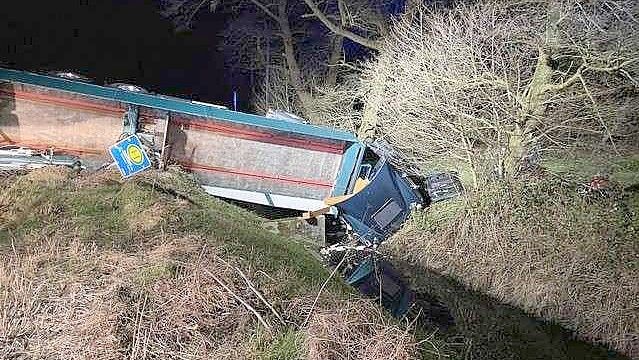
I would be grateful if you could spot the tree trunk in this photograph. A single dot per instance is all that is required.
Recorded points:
(521, 139)
(294, 72)
(334, 58)
(337, 48)
(368, 128)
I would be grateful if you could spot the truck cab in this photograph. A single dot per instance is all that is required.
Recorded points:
(380, 196)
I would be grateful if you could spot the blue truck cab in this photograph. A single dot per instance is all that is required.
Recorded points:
(382, 199)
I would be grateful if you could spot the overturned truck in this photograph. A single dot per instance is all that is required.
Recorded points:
(269, 161)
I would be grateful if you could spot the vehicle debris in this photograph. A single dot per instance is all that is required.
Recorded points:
(23, 158)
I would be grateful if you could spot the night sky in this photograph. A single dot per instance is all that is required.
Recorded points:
(120, 40)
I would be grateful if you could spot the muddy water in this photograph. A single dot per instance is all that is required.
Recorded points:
(478, 327)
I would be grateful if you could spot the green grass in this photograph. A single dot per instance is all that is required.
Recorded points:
(152, 273)
(623, 169)
(285, 346)
(265, 250)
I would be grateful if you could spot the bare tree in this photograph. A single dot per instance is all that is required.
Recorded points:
(274, 12)
(310, 63)
(491, 83)
(275, 92)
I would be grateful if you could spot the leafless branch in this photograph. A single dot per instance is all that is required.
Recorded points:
(266, 10)
(339, 30)
(246, 305)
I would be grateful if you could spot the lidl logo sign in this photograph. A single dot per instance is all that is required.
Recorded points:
(129, 156)
(135, 154)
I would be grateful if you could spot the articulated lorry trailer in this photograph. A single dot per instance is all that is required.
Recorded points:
(54, 119)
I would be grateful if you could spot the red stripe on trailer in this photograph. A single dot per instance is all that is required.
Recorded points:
(212, 126)
(56, 100)
(263, 136)
(307, 182)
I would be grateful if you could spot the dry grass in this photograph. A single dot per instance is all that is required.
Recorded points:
(48, 311)
(72, 301)
(544, 248)
(80, 277)
(357, 331)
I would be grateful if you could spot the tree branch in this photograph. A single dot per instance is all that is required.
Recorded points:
(611, 69)
(339, 30)
(259, 317)
(294, 71)
(571, 80)
(577, 76)
(266, 10)
(197, 8)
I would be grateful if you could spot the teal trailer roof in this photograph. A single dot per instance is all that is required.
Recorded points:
(174, 105)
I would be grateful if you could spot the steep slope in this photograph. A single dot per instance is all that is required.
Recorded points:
(555, 245)
(95, 267)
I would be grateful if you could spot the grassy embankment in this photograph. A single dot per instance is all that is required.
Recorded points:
(93, 267)
(545, 245)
